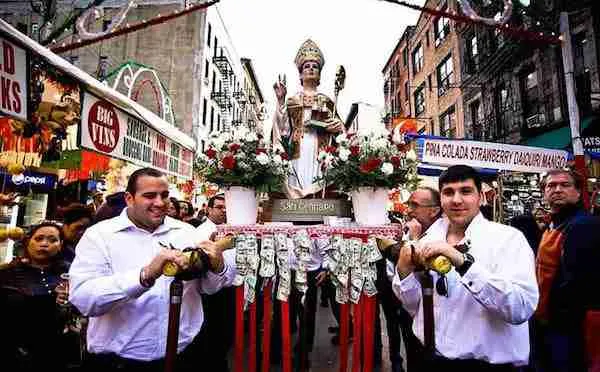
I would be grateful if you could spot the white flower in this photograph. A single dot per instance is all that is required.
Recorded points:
(262, 158)
(387, 168)
(243, 165)
(278, 149)
(344, 154)
(251, 137)
(322, 156)
(277, 160)
(379, 143)
(240, 133)
(341, 139)
(411, 155)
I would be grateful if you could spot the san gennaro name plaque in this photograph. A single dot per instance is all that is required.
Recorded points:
(308, 210)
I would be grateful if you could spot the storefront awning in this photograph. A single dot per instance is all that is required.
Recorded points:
(101, 90)
(559, 138)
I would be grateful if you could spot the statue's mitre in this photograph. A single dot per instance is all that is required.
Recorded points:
(309, 51)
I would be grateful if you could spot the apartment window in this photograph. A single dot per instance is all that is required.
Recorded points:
(206, 69)
(418, 59)
(74, 60)
(22, 28)
(406, 91)
(219, 122)
(472, 54)
(212, 119)
(501, 106)
(215, 47)
(35, 31)
(214, 81)
(398, 103)
(105, 24)
(420, 100)
(475, 113)
(427, 38)
(204, 103)
(530, 98)
(209, 35)
(445, 72)
(441, 28)
(448, 123)
(405, 57)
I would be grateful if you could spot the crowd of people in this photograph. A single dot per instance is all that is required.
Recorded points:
(90, 293)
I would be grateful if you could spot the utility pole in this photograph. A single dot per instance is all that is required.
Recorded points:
(574, 120)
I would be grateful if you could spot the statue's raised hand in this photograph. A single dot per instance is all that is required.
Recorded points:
(280, 90)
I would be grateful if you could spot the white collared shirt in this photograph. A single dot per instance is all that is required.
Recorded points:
(485, 314)
(204, 232)
(126, 318)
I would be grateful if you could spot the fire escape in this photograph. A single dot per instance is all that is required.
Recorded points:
(224, 95)
(240, 97)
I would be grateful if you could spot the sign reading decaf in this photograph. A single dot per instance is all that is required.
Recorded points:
(13, 80)
(111, 131)
(493, 155)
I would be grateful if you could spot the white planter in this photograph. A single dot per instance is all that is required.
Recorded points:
(370, 205)
(241, 204)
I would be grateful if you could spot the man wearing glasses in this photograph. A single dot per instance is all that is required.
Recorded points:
(568, 315)
(423, 210)
(481, 315)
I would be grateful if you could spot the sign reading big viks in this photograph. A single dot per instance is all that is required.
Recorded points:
(493, 155)
(13, 80)
(111, 131)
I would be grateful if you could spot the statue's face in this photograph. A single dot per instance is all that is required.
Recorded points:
(311, 71)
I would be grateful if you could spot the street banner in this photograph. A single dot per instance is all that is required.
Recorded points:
(111, 131)
(13, 80)
(492, 155)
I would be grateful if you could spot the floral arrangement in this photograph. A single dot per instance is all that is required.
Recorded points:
(373, 157)
(241, 158)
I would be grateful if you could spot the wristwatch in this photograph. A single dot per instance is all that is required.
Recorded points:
(468, 261)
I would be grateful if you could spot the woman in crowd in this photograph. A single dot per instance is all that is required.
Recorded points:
(174, 208)
(32, 335)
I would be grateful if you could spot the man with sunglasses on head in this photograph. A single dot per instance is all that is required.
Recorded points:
(482, 308)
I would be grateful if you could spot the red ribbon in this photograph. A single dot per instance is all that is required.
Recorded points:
(266, 351)
(252, 336)
(239, 329)
(286, 353)
(369, 307)
(356, 346)
(344, 329)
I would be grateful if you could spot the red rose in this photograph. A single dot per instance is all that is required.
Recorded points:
(211, 153)
(234, 147)
(370, 165)
(403, 147)
(261, 151)
(284, 156)
(354, 150)
(395, 160)
(330, 149)
(228, 162)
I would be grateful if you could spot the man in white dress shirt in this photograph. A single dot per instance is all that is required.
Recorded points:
(216, 337)
(481, 320)
(116, 280)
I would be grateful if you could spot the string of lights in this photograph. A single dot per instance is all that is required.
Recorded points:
(159, 19)
(515, 32)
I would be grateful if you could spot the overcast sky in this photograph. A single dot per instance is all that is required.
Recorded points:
(359, 34)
